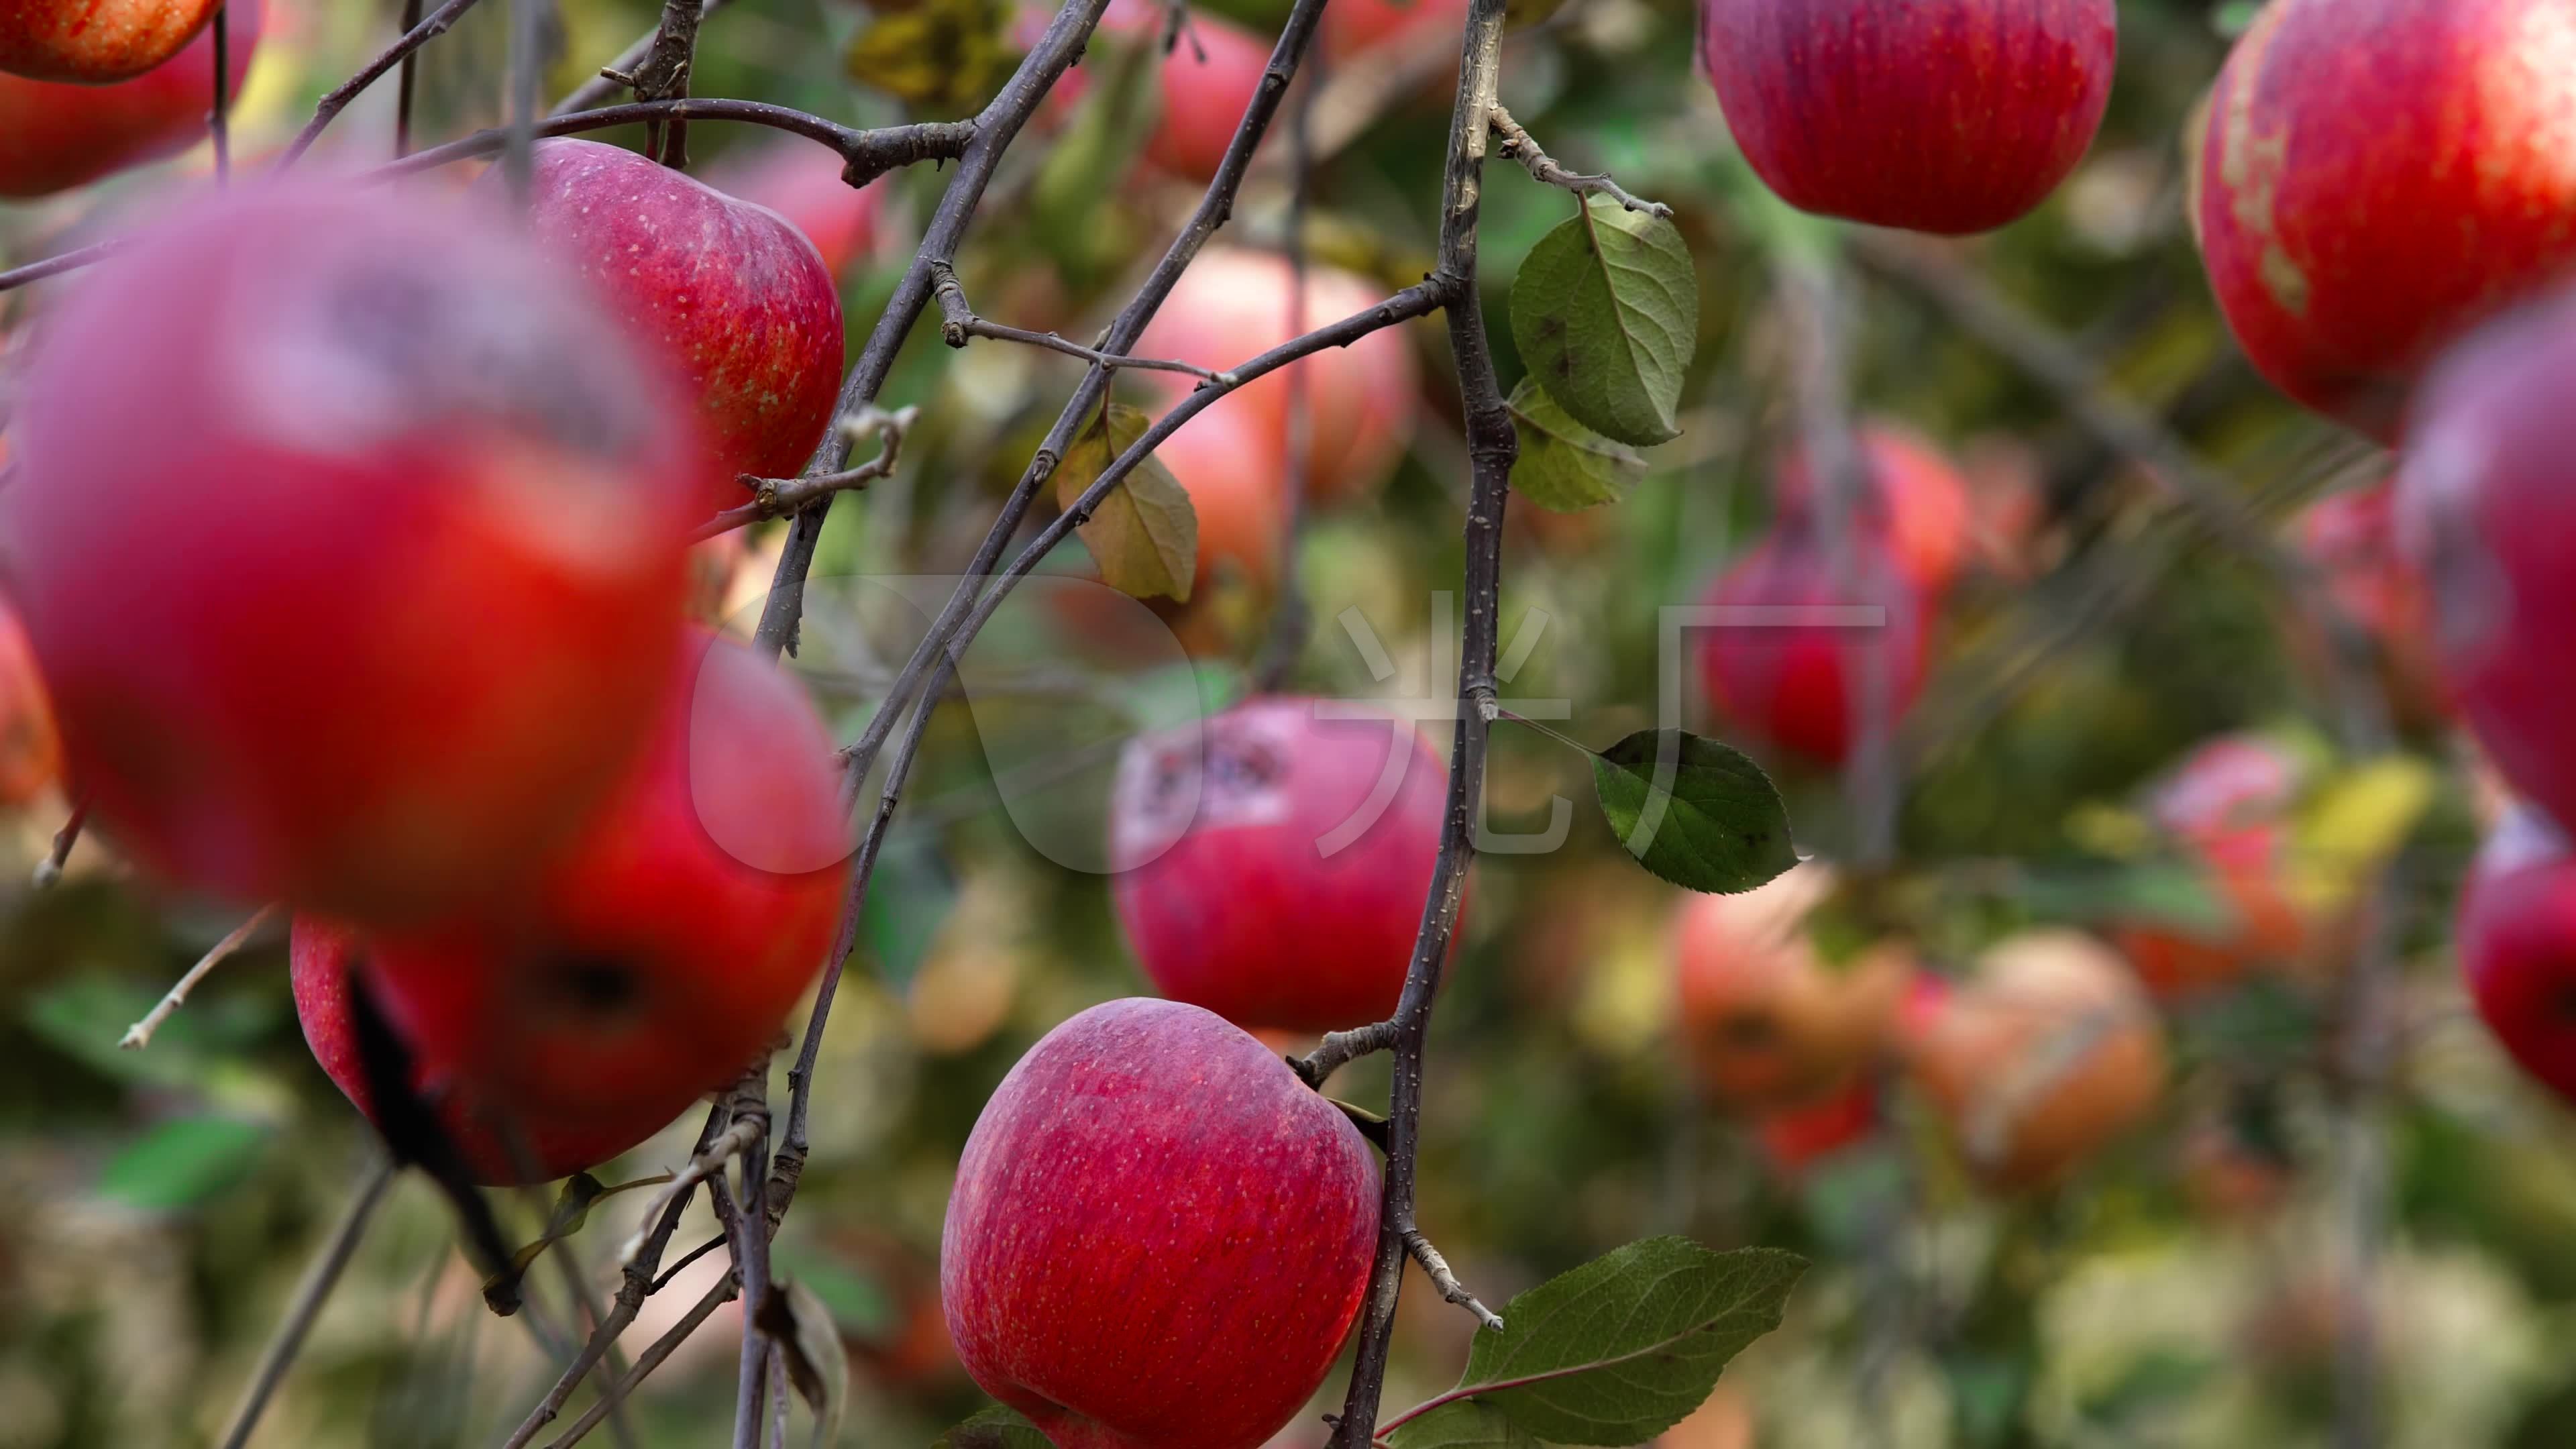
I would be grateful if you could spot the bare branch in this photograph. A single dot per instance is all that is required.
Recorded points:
(139, 1035)
(309, 1298)
(959, 324)
(1436, 1268)
(778, 497)
(866, 154)
(55, 266)
(438, 24)
(620, 74)
(218, 116)
(664, 75)
(736, 1138)
(724, 1292)
(1544, 169)
(407, 84)
(50, 869)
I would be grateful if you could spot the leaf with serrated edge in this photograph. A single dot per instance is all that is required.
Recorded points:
(1606, 312)
(1564, 466)
(801, 1326)
(1144, 536)
(1626, 1346)
(998, 1427)
(1717, 825)
(1466, 1424)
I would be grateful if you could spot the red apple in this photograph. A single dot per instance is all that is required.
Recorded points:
(2227, 809)
(732, 292)
(31, 752)
(1232, 305)
(1915, 500)
(350, 537)
(1159, 1236)
(501, 1142)
(55, 135)
(1352, 28)
(1794, 1139)
(663, 949)
(1948, 116)
(96, 42)
(2487, 521)
(801, 181)
(1765, 1019)
(2042, 1058)
(1208, 80)
(2378, 176)
(1270, 863)
(1238, 487)
(1789, 673)
(2517, 943)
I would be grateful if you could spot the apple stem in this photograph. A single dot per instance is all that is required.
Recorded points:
(1545, 170)
(139, 1035)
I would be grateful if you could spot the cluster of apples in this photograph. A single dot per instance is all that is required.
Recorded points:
(349, 527)
(2036, 1059)
(87, 90)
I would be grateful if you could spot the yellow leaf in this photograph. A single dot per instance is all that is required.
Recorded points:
(942, 56)
(1144, 536)
(2352, 825)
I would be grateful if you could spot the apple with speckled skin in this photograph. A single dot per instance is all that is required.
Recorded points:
(2517, 938)
(96, 42)
(1786, 667)
(1159, 1236)
(2485, 517)
(1270, 863)
(393, 571)
(733, 293)
(1948, 116)
(55, 135)
(2380, 175)
(501, 1143)
(662, 950)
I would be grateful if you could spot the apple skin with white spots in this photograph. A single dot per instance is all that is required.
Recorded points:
(733, 292)
(2380, 175)
(1159, 1237)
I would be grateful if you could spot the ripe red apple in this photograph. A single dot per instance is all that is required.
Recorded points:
(1948, 116)
(2517, 943)
(55, 135)
(2350, 538)
(350, 537)
(31, 752)
(1159, 1236)
(1915, 500)
(1765, 1020)
(732, 292)
(2378, 176)
(802, 182)
(663, 949)
(2039, 1060)
(1270, 863)
(1233, 304)
(1791, 674)
(96, 42)
(2485, 519)
(1207, 82)
(502, 1142)
(1794, 1139)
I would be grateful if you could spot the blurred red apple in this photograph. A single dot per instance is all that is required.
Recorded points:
(2486, 519)
(349, 535)
(732, 292)
(1948, 116)
(31, 752)
(96, 42)
(2038, 1061)
(1207, 81)
(1352, 28)
(1270, 863)
(2517, 943)
(1765, 1020)
(1159, 1236)
(1786, 667)
(55, 135)
(1794, 1139)
(2378, 176)
(1915, 500)
(2227, 809)
(2350, 538)
(660, 952)
(1232, 305)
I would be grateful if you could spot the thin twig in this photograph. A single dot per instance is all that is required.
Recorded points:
(218, 124)
(724, 1292)
(779, 497)
(691, 1256)
(664, 75)
(619, 74)
(407, 83)
(737, 1137)
(518, 154)
(1544, 169)
(55, 266)
(866, 154)
(332, 104)
(50, 869)
(959, 324)
(139, 1035)
(309, 1298)
(751, 1255)
(1436, 1268)
(1287, 636)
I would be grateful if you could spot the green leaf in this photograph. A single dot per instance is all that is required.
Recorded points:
(183, 1162)
(1144, 536)
(1713, 823)
(1606, 312)
(1627, 1345)
(998, 1427)
(1565, 466)
(796, 1320)
(1466, 1424)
